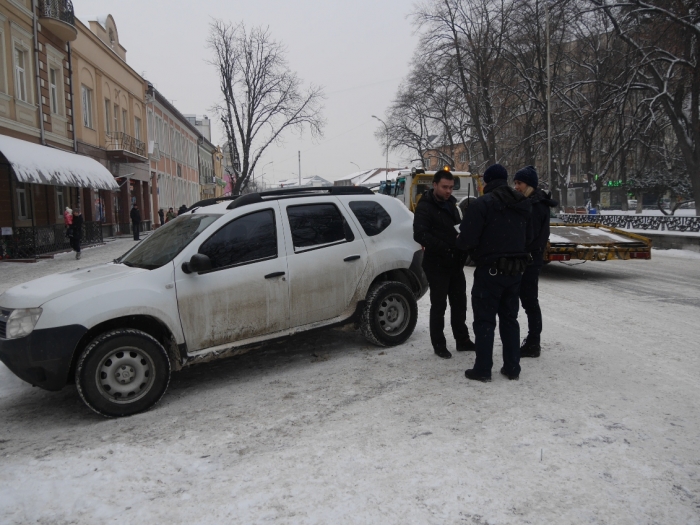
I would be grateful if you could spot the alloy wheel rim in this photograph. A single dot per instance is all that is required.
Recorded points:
(125, 375)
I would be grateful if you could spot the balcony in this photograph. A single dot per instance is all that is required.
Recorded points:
(57, 16)
(125, 148)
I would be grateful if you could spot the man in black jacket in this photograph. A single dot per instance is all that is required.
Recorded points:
(135, 221)
(526, 183)
(496, 230)
(443, 263)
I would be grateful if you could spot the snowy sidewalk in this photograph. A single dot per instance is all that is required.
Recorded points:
(328, 429)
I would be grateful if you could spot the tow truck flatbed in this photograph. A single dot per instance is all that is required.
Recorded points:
(595, 242)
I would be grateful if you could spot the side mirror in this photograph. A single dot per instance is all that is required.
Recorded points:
(198, 263)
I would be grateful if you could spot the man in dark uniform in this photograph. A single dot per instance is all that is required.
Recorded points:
(135, 221)
(496, 230)
(434, 228)
(526, 183)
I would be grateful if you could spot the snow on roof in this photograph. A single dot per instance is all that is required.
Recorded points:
(36, 164)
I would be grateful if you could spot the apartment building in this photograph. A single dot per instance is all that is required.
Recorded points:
(174, 163)
(110, 117)
(40, 173)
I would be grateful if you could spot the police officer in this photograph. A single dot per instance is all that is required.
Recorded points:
(526, 183)
(496, 230)
(443, 263)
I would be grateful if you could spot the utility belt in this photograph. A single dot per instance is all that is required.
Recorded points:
(508, 266)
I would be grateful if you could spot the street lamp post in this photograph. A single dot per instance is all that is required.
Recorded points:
(263, 170)
(549, 96)
(355, 163)
(386, 128)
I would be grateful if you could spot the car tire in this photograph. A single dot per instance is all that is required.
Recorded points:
(390, 314)
(122, 372)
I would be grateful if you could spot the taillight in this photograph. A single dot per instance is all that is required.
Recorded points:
(640, 255)
(559, 257)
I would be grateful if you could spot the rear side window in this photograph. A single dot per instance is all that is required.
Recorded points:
(315, 225)
(373, 218)
(246, 239)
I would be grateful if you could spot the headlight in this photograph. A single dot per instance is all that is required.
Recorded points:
(21, 322)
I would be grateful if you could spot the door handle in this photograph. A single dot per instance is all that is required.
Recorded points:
(274, 274)
(351, 258)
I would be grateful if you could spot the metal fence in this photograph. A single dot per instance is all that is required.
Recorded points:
(638, 222)
(33, 241)
(58, 9)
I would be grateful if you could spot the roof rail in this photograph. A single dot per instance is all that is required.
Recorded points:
(252, 198)
(213, 200)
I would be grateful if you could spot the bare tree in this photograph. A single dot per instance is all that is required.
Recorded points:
(666, 38)
(262, 97)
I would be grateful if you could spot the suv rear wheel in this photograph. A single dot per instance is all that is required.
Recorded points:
(390, 314)
(122, 372)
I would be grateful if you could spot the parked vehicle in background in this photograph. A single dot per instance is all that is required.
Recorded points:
(409, 185)
(217, 281)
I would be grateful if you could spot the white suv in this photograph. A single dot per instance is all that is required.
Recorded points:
(215, 282)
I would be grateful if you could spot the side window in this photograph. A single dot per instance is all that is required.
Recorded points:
(372, 217)
(246, 239)
(315, 225)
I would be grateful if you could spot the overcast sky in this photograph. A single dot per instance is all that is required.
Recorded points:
(358, 50)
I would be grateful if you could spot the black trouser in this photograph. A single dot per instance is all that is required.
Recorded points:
(529, 291)
(496, 295)
(136, 226)
(75, 242)
(447, 283)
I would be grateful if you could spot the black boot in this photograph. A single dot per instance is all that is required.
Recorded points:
(470, 374)
(529, 349)
(466, 345)
(512, 377)
(443, 352)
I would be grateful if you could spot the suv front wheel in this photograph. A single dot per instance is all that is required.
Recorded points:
(390, 314)
(122, 372)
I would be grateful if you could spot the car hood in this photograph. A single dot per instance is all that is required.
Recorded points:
(34, 293)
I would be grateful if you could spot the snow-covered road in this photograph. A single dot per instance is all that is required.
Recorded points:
(326, 428)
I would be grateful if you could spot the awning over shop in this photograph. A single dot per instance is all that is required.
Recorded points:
(36, 164)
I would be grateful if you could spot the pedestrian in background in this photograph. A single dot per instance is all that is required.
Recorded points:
(77, 228)
(443, 263)
(161, 216)
(496, 230)
(525, 182)
(170, 215)
(68, 221)
(135, 221)
(182, 209)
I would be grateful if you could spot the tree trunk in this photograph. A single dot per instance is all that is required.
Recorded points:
(640, 201)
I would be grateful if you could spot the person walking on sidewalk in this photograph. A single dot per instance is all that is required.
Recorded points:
(526, 183)
(161, 216)
(443, 262)
(496, 229)
(135, 221)
(77, 228)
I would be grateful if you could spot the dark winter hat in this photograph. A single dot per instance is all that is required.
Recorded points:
(495, 171)
(528, 175)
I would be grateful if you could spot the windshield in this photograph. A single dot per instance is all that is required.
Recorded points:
(166, 242)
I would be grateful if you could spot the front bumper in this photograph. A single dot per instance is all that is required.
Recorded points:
(43, 358)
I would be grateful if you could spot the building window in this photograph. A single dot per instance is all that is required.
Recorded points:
(463, 157)
(137, 128)
(107, 118)
(86, 95)
(125, 121)
(116, 118)
(53, 90)
(20, 74)
(60, 202)
(23, 211)
(3, 83)
(427, 162)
